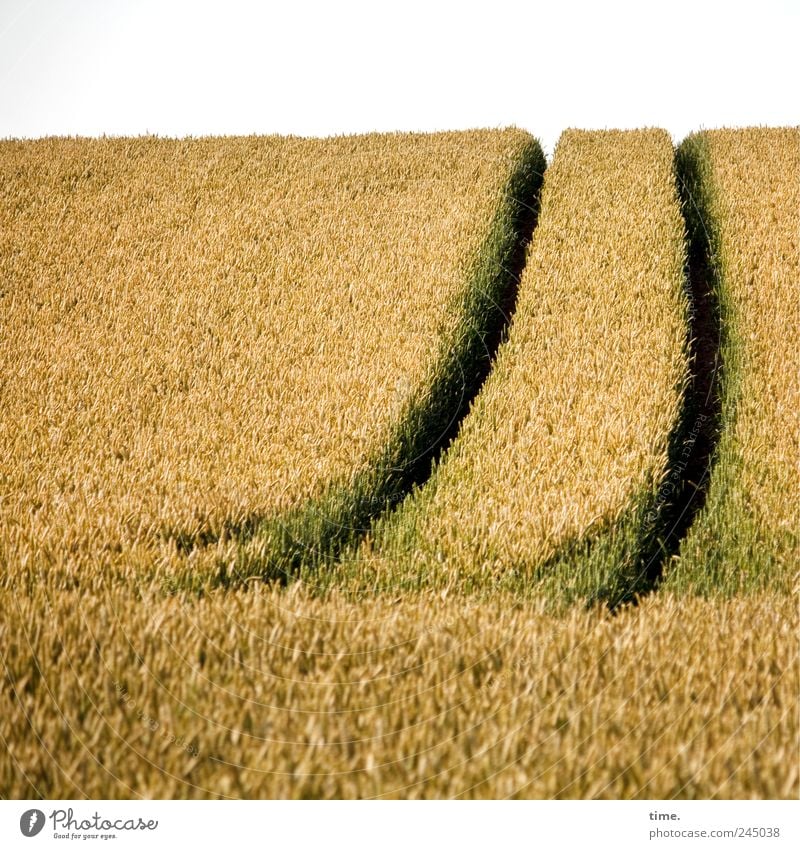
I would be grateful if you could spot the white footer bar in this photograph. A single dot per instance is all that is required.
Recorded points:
(386, 825)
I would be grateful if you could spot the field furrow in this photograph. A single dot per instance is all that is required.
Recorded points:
(213, 341)
(560, 480)
(746, 189)
(226, 361)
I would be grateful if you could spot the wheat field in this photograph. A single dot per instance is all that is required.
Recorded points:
(203, 338)
(276, 694)
(310, 490)
(747, 186)
(554, 479)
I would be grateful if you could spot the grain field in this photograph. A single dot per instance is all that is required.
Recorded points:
(554, 483)
(212, 340)
(746, 189)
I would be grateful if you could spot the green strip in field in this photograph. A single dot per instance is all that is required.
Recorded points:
(230, 354)
(555, 483)
(745, 186)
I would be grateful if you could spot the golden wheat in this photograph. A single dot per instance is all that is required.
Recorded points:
(198, 332)
(748, 192)
(569, 437)
(275, 694)
(195, 333)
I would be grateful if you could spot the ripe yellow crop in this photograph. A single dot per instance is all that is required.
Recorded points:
(210, 338)
(746, 186)
(224, 358)
(275, 694)
(554, 478)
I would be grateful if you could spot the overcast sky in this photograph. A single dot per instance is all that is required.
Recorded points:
(89, 67)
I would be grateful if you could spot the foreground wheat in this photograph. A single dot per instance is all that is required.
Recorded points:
(554, 479)
(746, 187)
(243, 337)
(274, 694)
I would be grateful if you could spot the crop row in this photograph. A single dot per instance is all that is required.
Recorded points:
(210, 341)
(553, 484)
(227, 358)
(745, 185)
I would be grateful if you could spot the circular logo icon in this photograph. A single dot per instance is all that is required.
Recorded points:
(31, 822)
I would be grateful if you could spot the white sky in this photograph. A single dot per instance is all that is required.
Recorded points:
(89, 67)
